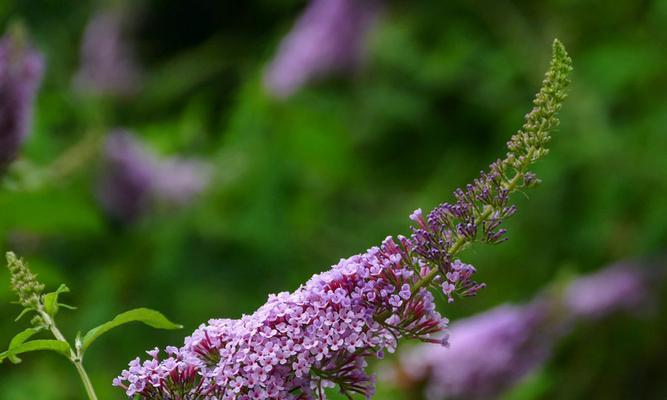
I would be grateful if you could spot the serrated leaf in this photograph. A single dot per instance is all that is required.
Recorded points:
(51, 300)
(147, 316)
(17, 340)
(34, 345)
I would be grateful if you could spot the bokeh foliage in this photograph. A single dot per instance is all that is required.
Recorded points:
(340, 165)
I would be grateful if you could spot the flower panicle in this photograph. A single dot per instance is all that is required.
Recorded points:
(134, 181)
(481, 207)
(24, 282)
(321, 335)
(330, 37)
(298, 344)
(21, 70)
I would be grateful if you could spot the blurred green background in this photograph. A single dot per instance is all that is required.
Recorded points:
(335, 168)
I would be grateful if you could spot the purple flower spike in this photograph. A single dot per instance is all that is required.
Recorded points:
(179, 181)
(300, 343)
(329, 37)
(128, 177)
(133, 179)
(21, 70)
(107, 65)
(487, 353)
(621, 287)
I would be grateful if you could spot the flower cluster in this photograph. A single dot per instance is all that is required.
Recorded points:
(322, 335)
(21, 69)
(480, 209)
(432, 239)
(492, 351)
(615, 288)
(329, 37)
(298, 343)
(24, 282)
(133, 179)
(128, 170)
(108, 65)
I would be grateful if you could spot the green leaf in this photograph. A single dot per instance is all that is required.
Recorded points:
(149, 317)
(24, 312)
(51, 300)
(53, 345)
(19, 339)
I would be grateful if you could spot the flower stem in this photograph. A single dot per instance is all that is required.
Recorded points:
(460, 243)
(87, 384)
(74, 357)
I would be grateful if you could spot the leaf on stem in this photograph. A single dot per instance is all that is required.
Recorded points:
(45, 344)
(147, 316)
(17, 340)
(50, 300)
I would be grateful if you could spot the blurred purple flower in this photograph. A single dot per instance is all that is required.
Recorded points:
(617, 288)
(487, 354)
(21, 70)
(133, 180)
(329, 37)
(108, 64)
(178, 181)
(129, 170)
(492, 351)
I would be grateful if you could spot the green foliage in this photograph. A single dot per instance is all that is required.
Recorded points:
(45, 306)
(340, 165)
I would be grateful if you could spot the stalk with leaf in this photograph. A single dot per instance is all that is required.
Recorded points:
(45, 306)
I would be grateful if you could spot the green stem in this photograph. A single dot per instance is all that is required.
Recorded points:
(90, 391)
(462, 241)
(73, 357)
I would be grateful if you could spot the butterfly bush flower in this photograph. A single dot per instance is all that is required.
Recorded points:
(323, 334)
(491, 352)
(21, 70)
(487, 352)
(133, 179)
(179, 181)
(126, 183)
(621, 287)
(298, 343)
(329, 37)
(108, 64)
